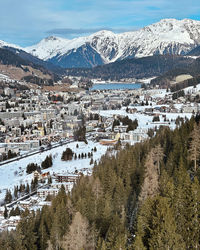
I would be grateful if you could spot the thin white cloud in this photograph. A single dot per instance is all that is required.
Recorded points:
(27, 20)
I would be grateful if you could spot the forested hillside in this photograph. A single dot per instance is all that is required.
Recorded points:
(134, 68)
(193, 69)
(146, 196)
(30, 67)
(35, 61)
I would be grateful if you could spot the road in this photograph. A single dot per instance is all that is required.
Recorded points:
(25, 197)
(35, 152)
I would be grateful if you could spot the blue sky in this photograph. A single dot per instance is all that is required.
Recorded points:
(26, 22)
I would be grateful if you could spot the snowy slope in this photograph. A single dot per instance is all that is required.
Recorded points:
(167, 36)
(5, 44)
(14, 173)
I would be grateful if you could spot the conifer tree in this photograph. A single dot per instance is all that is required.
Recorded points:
(27, 188)
(194, 148)
(16, 192)
(138, 244)
(43, 236)
(8, 196)
(158, 156)
(5, 214)
(194, 210)
(163, 233)
(25, 232)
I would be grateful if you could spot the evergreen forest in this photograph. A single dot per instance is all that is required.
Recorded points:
(145, 196)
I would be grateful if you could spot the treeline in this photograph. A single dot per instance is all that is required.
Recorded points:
(37, 80)
(145, 196)
(68, 154)
(134, 68)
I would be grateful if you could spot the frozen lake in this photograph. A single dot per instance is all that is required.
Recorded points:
(110, 86)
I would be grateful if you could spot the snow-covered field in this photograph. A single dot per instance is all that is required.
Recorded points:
(144, 120)
(192, 89)
(14, 173)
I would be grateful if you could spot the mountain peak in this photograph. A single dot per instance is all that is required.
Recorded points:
(168, 36)
(103, 33)
(51, 38)
(5, 44)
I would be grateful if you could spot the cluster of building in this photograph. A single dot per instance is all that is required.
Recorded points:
(31, 120)
(42, 196)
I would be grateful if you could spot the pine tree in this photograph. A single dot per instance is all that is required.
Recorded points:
(158, 156)
(5, 214)
(16, 192)
(194, 213)
(25, 232)
(138, 244)
(43, 236)
(8, 196)
(163, 233)
(17, 211)
(156, 226)
(182, 205)
(27, 188)
(194, 148)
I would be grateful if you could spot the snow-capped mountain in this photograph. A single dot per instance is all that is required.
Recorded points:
(169, 36)
(5, 44)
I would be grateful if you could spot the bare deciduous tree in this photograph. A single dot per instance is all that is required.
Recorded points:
(78, 235)
(150, 185)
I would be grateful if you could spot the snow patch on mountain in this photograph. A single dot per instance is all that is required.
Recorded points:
(5, 44)
(53, 46)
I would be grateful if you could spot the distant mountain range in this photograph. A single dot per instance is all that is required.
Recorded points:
(104, 54)
(169, 36)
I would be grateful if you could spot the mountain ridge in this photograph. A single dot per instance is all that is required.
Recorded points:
(19, 65)
(169, 36)
(137, 68)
